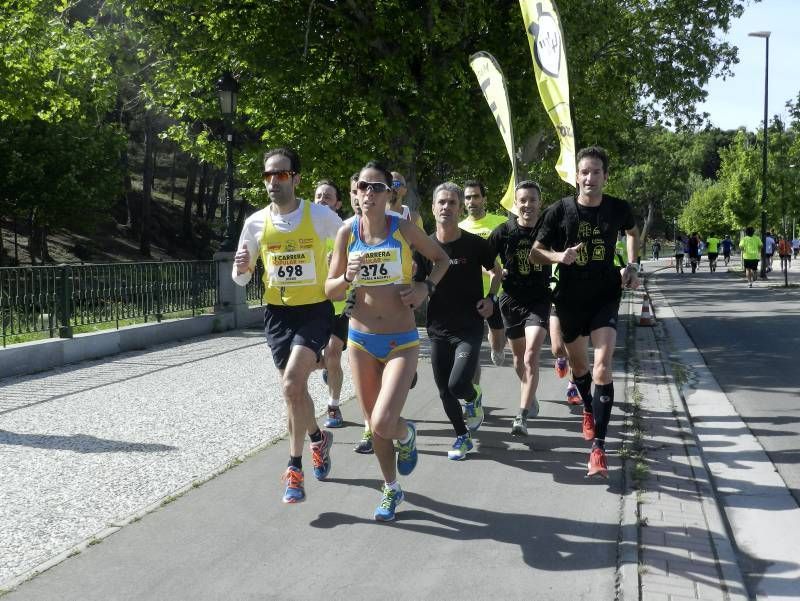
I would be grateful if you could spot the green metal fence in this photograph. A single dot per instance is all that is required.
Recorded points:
(56, 299)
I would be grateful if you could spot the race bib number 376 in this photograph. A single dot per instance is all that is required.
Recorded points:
(380, 267)
(296, 268)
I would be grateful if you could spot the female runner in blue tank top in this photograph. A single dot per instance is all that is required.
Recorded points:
(373, 255)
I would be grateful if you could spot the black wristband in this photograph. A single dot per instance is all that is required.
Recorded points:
(344, 277)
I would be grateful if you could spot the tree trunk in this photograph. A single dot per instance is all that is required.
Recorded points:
(129, 199)
(213, 201)
(189, 196)
(172, 175)
(32, 248)
(147, 186)
(648, 222)
(202, 191)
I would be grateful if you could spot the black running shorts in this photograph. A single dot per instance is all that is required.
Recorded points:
(495, 320)
(581, 321)
(750, 263)
(301, 325)
(518, 315)
(341, 323)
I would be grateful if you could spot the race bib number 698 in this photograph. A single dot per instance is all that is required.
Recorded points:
(296, 268)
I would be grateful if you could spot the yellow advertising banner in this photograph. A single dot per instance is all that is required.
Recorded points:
(546, 39)
(493, 86)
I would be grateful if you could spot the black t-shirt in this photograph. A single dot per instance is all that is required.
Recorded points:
(525, 282)
(597, 228)
(452, 308)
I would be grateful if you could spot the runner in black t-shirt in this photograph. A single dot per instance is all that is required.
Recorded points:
(525, 302)
(580, 235)
(456, 311)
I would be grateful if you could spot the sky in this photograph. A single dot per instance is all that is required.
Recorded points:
(739, 100)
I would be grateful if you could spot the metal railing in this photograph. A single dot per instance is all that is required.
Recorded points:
(56, 299)
(255, 287)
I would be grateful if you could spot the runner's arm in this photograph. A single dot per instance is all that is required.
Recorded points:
(341, 268)
(247, 250)
(416, 238)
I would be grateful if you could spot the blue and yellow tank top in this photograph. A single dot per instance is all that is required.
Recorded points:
(386, 263)
(295, 263)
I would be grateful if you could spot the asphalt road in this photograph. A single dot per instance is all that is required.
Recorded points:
(750, 339)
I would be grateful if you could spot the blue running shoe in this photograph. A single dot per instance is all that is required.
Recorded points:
(388, 505)
(321, 455)
(295, 493)
(407, 453)
(364, 446)
(461, 447)
(335, 419)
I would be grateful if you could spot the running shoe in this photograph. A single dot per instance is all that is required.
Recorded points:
(519, 427)
(573, 396)
(334, 417)
(479, 398)
(473, 416)
(460, 448)
(561, 367)
(534, 410)
(498, 357)
(588, 425)
(295, 493)
(388, 505)
(321, 455)
(407, 453)
(364, 445)
(597, 463)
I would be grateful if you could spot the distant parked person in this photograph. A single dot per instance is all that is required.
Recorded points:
(694, 251)
(795, 246)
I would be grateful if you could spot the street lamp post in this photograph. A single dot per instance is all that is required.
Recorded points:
(763, 274)
(227, 88)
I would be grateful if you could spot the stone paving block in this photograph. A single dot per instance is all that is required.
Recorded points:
(712, 593)
(651, 596)
(667, 552)
(668, 584)
(695, 570)
(653, 537)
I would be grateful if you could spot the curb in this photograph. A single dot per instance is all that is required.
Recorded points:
(723, 545)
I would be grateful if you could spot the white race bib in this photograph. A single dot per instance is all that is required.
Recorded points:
(380, 267)
(294, 268)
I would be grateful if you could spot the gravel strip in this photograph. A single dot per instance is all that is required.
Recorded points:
(85, 447)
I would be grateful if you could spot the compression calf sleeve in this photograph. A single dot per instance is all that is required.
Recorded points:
(584, 386)
(601, 404)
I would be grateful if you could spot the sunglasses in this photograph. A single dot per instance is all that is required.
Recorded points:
(281, 176)
(374, 186)
(397, 183)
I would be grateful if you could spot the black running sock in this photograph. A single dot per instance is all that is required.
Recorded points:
(601, 405)
(296, 462)
(316, 436)
(524, 414)
(599, 444)
(584, 386)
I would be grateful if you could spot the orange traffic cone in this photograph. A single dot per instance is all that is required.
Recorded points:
(647, 318)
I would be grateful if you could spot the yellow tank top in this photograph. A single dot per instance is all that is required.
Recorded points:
(295, 263)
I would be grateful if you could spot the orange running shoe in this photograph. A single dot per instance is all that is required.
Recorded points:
(597, 463)
(295, 493)
(573, 396)
(588, 425)
(561, 367)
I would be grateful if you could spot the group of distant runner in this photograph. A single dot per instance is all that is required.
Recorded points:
(689, 250)
(332, 284)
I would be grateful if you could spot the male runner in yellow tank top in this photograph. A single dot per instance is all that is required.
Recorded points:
(290, 236)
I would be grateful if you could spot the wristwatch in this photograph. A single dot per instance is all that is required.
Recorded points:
(633, 266)
(492, 297)
(431, 286)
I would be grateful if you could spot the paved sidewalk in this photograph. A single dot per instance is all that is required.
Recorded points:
(516, 520)
(685, 552)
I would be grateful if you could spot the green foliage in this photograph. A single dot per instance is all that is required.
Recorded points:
(705, 212)
(61, 174)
